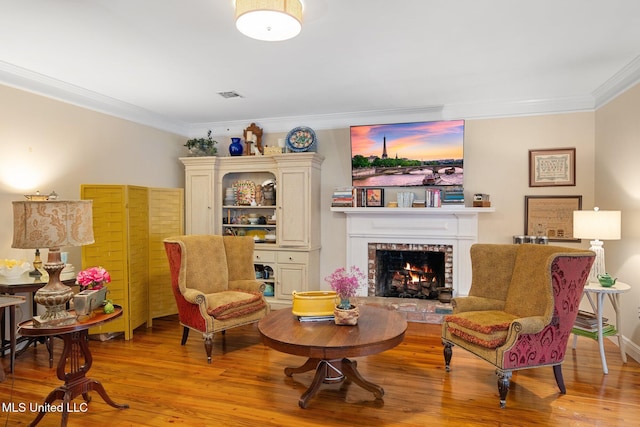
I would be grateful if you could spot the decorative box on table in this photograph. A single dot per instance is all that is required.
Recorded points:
(88, 300)
(313, 303)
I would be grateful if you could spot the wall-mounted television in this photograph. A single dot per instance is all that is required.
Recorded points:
(408, 154)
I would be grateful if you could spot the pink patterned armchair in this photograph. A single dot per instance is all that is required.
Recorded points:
(214, 283)
(521, 307)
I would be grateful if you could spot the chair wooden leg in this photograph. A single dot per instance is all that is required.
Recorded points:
(504, 378)
(208, 346)
(557, 372)
(447, 355)
(185, 335)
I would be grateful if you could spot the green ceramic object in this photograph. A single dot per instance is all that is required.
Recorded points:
(606, 280)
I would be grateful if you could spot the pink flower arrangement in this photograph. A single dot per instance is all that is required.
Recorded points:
(346, 283)
(93, 278)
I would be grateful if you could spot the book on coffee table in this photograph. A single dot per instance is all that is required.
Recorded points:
(315, 318)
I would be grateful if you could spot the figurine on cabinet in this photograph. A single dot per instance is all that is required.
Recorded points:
(259, 195)
(253, 135)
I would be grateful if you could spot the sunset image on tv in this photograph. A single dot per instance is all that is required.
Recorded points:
(408, 154)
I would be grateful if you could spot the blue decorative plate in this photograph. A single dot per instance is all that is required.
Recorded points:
(301, 139)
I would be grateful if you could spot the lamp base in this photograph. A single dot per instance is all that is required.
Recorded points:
(597, 268)
(54, 296)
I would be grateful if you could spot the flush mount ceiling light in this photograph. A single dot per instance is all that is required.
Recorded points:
(269, 20)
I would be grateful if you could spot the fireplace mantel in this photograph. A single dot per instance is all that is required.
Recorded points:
(450, 225)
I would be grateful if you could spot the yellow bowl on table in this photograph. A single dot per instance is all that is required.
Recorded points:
(313, 303)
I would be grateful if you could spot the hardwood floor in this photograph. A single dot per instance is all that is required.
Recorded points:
(168, 384)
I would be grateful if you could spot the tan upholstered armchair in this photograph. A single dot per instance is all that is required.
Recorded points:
(214, 283)
(522, 304)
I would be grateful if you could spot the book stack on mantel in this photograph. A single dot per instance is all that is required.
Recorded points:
(453, 196)
(587, 325)
(343, 197)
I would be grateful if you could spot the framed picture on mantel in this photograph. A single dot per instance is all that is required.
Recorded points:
(552, 168)
(375, 197)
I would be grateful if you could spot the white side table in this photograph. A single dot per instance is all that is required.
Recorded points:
(614, 297)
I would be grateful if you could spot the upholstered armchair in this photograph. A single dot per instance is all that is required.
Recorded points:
(214, 283)
(522, 304)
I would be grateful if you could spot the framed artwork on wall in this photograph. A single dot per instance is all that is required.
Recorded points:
(375, 197)
(552, 167)
(551, 216)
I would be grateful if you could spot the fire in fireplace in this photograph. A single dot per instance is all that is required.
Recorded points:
(409, 270)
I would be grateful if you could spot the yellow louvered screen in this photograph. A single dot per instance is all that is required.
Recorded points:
(110, 247)
(129, 224)
(138, 210)
(166, 219)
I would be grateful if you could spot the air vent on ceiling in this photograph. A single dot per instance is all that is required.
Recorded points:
(230, 94)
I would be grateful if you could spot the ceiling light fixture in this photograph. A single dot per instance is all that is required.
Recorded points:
(269, 20)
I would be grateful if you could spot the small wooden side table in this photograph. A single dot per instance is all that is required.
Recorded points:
(11, 301)
(76, 352)
(614, 297)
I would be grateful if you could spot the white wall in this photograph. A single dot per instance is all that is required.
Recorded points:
(617, 187)
(47, 145)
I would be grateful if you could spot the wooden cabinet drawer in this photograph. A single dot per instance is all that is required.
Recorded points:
(264, 256)
(293, 257)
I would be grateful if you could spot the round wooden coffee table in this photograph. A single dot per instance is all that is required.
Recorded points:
(327, 345)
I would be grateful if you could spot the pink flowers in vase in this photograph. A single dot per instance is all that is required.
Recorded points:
(93, 278)
(346, 284)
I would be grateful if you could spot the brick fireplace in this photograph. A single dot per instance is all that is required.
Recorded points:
(409, 270)
(449, 229)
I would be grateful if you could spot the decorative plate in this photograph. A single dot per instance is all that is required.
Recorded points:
(245, 192)
(300, 139)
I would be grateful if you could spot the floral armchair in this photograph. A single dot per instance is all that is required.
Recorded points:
(214, 283)
(521, 307)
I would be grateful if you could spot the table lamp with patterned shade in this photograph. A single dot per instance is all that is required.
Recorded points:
(597, 225)
(52, 224)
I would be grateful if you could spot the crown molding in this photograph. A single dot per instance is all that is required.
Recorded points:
(514, 108)
(30, 81)
(39, 84)
(628, 76)
(480, 110)
(321, 121)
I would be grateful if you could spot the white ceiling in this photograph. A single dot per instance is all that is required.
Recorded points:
(162, 62)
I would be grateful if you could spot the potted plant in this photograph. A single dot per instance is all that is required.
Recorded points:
(93, 289)
(202, 146)
(346, 284)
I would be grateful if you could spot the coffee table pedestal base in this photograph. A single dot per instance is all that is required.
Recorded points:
(332, 372)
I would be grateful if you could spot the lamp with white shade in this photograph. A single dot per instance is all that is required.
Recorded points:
(597, 225)
(52, 224)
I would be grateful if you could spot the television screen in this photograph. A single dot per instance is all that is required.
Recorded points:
(408, 154)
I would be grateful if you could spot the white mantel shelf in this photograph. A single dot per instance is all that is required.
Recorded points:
(456, 226)
(447, 210)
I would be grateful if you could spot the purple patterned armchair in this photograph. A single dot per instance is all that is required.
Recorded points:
(521, 307)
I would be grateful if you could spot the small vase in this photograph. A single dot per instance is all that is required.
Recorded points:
(235, 148)
(345, 304)
(346, 317)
